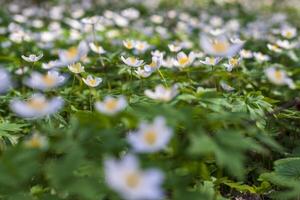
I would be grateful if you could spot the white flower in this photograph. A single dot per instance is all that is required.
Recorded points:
(184, 60)
(174, 47)
(52, 64)
(274, 48)
(111, 105)
(150, 137)
(90, 20)
(132, 61)
(237, 40)
(211, 61)
(279, 77)
(219, 46)
(246, 54)
(5, 81)
(73, 54)
(285, 44)
(142, 72)
(22, 70)
(129, 44)
(32, 58)
(261, 57)
(37, 141)
(97, 49)
(161, 93)
(44, 82)
(232, 63)
(157, 53)
(289, 32)
(76, 68)
(92, 81)
(226, 87)
(141, 46)
(132, 183)
(36, 107)
(169, 62)
(154, 65)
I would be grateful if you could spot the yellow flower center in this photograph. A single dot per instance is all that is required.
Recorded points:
(37, 104)
(183, 60)
(140, 46)
(211, 61)
(220, 47)
(150, 137)
(92, 82)
(289, 34)
(278, 75)
(111, 104)
(233, 61)
(34, 142)
(49, 80)
(132, 60)
(72, 52)
(133, 180)
(128, 45)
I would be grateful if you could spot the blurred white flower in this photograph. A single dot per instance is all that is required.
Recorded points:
(161, 93)
(150, 137)
(5, 81)
(141, 46)
(90, 20)
(142, 72)
(32, 58)
(36, 141)
(261, 57)
(211, 61)
(45, 82)
(111, 105)
(184, 60)
(289, 32)
(52, 64)
(132, 61)
(174, 47)
(73, 54)
(92, 81)
(97, 49)
(219, 46)
(129, 44)
(246, 54)
(226, 87)
(154, 65)
(279, 77)
(22, 70)
(232, 63)
(36, 107)
(274, 48)
(132, 183)
(285, 44)
(76, 68)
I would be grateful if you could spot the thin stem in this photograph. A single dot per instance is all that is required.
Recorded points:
(91, 99)
(162, 76)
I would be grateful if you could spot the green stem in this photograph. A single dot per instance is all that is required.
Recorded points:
(162, 76)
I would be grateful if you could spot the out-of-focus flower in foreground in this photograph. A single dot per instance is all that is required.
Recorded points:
(132, 183)
(45, 82)
(162, 93)
(150, 137)
(36, 107)
(111, 105)
(279, 77)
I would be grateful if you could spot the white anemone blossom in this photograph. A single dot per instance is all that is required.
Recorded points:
(154, 65)
(127, 178)
(219, 46)
(184, 60)
(32, 58)
(5, 81)
(37, 106)
(111, 105)
(142, 73)
(73, 54)
(132, 61)
(162, 93)
(96, 48)
(48, 81)
(92, 81)
(150, 137)
(279, 77)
